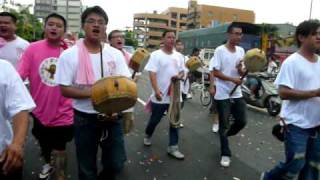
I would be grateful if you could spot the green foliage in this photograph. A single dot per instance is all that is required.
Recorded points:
(129, 39)
(28, 26)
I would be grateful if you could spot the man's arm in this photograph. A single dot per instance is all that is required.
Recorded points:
(287, 93)
(220, 75)
(75, 93)
(12, 157)
(154, 84)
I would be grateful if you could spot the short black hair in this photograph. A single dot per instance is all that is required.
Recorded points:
(305, 29)
(13, 17)
(179, 41)
(94, 10)
(112, 32)
(58, 16)
(167, 31)
(232, 26)
(194, 50)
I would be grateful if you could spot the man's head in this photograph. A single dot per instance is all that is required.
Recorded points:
(8, 25)
(116, 39)
(168, 39)
(179, 46)
(234, 34)
(94, 21)
(54, 27)
(195, 52)
(308, 35)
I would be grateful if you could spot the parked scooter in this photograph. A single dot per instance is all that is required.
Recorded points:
(266, 95)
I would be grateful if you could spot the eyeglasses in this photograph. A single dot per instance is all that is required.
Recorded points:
(119, 36)
(93, 21)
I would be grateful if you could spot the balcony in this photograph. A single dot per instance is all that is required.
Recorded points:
(153, 42)
(137, 24)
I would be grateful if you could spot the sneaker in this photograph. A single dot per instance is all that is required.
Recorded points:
(45, 172)
(225, 161)
(215, 127)
(181, 125)
(147, 141)
(174, 152)
(189, 96)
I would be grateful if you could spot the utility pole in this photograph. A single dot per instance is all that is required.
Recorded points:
(310, 9)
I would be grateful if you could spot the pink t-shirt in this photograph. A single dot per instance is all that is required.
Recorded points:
(38, 64)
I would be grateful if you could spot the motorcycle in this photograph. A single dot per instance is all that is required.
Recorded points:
(266, 96)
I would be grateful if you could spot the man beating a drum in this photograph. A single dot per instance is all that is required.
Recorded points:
(53, 116)
(15, 102)
(78, 69)
(164, 65)
(299, 86)
(227, 70)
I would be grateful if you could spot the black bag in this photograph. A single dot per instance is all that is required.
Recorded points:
(278, 130)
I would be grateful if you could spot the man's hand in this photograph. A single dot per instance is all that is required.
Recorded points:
(212, 90)
(237, 81)
(159, 95)
(11, 158)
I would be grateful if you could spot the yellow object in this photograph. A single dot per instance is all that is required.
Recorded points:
(114, 94)
(139, 59)
(193, 63)
(255, 60)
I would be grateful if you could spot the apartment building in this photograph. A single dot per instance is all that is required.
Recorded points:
(70, 9)
(149, 27)
(204, 16)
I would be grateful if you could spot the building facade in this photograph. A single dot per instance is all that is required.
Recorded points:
(149, 27)
(70, 9)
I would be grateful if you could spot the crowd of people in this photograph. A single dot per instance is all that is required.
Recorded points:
(60, 76)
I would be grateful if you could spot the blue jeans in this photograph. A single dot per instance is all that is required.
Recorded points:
(156, 115)
(302, 150)
(88, 133)
(236, 107)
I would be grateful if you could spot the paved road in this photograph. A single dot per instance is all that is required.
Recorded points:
(254, 149)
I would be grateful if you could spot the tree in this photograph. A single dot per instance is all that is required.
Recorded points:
(130, 39)
(28, 26)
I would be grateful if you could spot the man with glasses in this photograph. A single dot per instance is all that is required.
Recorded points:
(78, 69)
(299, 86)
(53, 116)
(227, 69)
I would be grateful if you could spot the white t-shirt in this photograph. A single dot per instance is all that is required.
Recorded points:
(185, 84)
(13, 50)
(14, 98)
(165, 66)
(271, 67)
(226, 62)
(300, 74)
(113, 64)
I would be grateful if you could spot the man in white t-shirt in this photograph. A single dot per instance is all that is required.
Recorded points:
(11, 45)
(227, 69)
(116, 40)
(78, 68)
(163, 66)
(299, 86)
(15, 102)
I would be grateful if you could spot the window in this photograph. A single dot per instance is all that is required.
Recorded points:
(235, 17)
(173, 24)
(174, 15)
(210, 14)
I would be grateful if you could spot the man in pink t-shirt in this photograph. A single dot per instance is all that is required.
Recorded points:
(53, 116)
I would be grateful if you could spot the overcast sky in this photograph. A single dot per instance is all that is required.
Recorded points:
(121, 12)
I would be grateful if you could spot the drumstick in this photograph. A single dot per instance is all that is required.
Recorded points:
(242, 77)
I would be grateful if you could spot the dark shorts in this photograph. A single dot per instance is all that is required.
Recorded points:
(56, 136)
(16, 175)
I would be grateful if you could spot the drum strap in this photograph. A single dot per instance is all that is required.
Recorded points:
(101, 61)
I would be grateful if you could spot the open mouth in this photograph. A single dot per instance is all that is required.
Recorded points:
(96, 31)
(119, 43)
(53, 33)
(3, 31)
